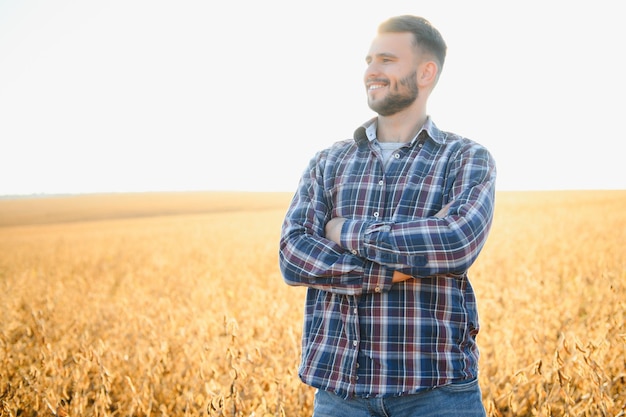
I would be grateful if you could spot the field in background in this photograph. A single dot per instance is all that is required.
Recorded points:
(172, 304)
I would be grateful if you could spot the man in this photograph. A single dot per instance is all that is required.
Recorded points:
(382, 230)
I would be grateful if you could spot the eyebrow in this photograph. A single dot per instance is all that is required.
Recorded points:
(381, 55)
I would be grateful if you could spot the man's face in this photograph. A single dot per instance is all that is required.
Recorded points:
(391, 74)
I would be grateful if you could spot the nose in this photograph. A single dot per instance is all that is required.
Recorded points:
(371, 71)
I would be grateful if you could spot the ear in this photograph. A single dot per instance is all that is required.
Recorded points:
(427, 74)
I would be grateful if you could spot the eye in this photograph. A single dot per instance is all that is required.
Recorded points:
(386, 58)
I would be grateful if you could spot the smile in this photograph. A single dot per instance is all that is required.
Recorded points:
(376, 86)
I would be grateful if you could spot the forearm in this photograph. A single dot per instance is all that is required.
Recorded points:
(441, 244)
(308, 257)
(333, 232)
(311, 262)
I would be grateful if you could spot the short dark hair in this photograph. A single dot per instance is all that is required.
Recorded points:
(425, 35)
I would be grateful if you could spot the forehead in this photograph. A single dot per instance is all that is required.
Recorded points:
(397, 44)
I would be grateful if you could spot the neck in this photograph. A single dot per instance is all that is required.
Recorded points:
(400, 127)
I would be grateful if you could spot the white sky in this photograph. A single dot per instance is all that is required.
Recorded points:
(144, 95)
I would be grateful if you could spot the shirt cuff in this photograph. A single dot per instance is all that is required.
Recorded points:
(352, 236)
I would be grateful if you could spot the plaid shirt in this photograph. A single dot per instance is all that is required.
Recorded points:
(364, 336)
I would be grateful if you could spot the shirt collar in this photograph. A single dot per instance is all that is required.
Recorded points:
(429, 128)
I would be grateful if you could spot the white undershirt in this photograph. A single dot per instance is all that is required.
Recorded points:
(387, 148)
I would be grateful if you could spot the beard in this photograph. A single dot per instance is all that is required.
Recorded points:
(401, 97)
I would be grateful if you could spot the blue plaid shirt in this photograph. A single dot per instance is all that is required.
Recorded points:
(364, 336)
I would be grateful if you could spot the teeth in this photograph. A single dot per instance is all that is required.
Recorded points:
(375, 86)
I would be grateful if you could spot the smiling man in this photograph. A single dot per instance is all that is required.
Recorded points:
(383, 230)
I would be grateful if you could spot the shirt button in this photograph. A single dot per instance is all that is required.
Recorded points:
(376, 214)
(355, 310)
(419, 146)
(354, 252)
(396, 155)
(377, 289)
(381, 182)
(355, 343)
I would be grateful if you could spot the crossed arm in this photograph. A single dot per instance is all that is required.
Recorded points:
(357, 255)
(333, 232)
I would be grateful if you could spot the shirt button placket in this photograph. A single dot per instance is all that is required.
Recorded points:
(351, 374)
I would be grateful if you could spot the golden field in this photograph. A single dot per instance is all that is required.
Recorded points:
(172, 305)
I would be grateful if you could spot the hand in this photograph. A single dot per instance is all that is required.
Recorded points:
(333, 229)
(400, 277)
